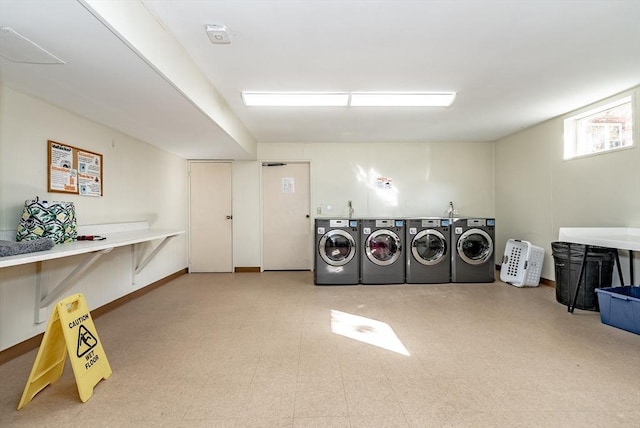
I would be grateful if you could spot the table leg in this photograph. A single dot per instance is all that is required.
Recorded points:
(619, 268)
(633, 279)
(583, 266)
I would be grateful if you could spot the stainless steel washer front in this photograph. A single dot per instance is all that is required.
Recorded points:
(337, 251)
(382, 243)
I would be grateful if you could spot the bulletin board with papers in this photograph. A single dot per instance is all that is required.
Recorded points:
(74, 170)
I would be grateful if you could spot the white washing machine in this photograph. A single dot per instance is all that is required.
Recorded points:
(336, 252)
(382, 260)
(472, 255)
(428, 253)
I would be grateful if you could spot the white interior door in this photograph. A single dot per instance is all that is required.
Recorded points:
(287, 238)
(210, 218)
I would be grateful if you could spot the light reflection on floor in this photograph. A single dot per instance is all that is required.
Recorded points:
(367, 330)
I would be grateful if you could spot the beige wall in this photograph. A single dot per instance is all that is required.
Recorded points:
(537, 192)
(141, 183)
(425, 177)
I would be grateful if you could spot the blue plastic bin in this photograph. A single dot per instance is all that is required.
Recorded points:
(620, 307)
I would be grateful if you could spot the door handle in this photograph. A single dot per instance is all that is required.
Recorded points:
(229, 217)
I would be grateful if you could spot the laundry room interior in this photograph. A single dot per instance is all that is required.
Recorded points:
(514, 177)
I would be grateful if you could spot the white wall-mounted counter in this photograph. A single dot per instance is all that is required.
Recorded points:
(113, 240)
(624, 238)
(117, 235)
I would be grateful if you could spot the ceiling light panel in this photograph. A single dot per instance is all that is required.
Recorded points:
(402, 99)
(295, 99)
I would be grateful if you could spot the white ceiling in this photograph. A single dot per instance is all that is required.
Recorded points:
(513, 63)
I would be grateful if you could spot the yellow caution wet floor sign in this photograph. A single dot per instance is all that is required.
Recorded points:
(70, 330)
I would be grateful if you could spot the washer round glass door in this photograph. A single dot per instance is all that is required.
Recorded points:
(429, 247)
(337, 247)
(475, 246)
(383, 247)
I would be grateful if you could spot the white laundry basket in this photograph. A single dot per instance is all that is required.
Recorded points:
(521, 264)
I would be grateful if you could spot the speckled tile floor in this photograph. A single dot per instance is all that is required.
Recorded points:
(245, 350)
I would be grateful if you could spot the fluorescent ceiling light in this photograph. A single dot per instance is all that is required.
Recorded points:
(402, 99)
(344, 99)
(295, 99)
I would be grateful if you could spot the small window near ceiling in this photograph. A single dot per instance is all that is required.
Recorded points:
(606, 128)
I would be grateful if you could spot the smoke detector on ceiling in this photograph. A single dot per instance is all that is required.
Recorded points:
(218, 34)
